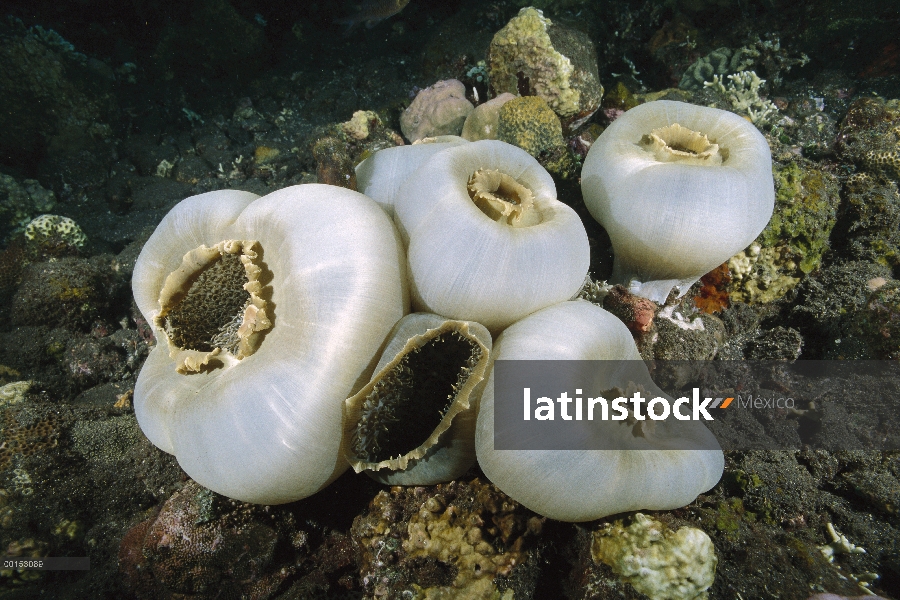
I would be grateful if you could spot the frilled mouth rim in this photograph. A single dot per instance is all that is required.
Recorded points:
(464, 398)
(190, 289)
(502, 198)
(675, 143)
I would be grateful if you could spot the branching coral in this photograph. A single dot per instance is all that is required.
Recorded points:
(742, 92)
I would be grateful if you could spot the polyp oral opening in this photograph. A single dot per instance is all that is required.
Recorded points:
(405, 406)
(212, 304)
(502, 198)
(675, 143)
(211, 312)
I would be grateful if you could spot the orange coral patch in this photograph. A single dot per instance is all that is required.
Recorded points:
(713, 294)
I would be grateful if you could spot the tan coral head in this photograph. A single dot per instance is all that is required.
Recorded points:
(211, 307)
(675, 143)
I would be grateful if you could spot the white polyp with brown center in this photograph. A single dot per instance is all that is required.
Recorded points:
(268, 313)
(501, 197)
(655, 465)
(675, 143)
(414, 422)
(379, 176)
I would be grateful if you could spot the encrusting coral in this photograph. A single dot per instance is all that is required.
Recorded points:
(870, 136)
(658, 562)
(23, 436)
(449, 541)
(529, 123)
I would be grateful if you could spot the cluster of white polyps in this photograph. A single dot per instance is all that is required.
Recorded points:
(272, 313)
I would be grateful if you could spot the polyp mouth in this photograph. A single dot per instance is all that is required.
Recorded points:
(675, 143)
(502, 198)
(410, 401)
(212, 304)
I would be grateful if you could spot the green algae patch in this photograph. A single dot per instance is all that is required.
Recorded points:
(729, 515)
(743, 480)
(620, 98)
(806, 202)
(795, 240)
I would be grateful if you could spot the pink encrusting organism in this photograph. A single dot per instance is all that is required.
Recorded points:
(372, 12)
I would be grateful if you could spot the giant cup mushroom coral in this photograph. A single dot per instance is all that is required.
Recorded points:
(487, 240)
(680, 189)
(268, 313)
(660, 465)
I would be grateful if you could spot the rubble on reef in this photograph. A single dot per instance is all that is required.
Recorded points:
(114, 119)
(190, 547)
(450, 540)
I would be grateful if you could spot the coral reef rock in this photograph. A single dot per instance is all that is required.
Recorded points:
(658, 562)
(440, 109)
(453, 540)
(532, 56)
(870, 137)
(21, 202)
(49, 93)
(200, 545)
(70, 293)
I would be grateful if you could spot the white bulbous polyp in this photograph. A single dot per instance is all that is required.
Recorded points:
(267, 428)
(674, 217)
(465, 265)
(582, 485)
(380, 176)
